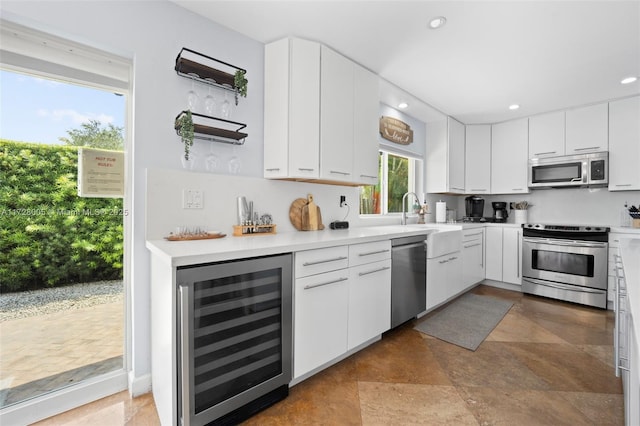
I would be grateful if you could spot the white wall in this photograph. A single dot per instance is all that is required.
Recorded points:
(152, 33)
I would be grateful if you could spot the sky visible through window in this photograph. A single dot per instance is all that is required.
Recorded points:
(34, 109)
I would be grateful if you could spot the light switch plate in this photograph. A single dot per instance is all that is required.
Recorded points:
(192, 199)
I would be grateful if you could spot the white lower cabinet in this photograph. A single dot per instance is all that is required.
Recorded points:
(473, 269)
(504, 254)
(320, 319)
(342, 299)
(444, 278)
(369, 302)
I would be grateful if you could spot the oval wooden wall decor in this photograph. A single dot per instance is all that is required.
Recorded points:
(395, 130)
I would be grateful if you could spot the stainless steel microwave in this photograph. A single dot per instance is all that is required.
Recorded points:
(570, 170)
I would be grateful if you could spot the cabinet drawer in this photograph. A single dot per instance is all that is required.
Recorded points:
(360, 254)
(312, 262)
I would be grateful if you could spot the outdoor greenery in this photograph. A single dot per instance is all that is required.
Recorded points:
(48, 235)
(93, 135)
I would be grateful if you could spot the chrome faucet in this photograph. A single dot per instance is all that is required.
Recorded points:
(404, 213)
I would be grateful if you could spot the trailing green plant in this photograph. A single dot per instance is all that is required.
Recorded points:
(48, 235)
(185, 124)
(240, 83)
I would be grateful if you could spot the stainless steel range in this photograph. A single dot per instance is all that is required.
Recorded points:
(566, 262)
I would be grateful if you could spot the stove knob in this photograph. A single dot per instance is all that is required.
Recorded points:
(588, 228)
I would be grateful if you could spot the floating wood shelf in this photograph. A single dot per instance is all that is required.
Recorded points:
(219, 130)
(190, 68)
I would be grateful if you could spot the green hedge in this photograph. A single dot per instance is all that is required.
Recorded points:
(48, 235)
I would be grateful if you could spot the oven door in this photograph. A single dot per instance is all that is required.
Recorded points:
(581, 263)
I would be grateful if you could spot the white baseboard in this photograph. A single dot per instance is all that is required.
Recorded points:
(139, 385)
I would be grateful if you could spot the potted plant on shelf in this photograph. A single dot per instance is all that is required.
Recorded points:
(185, 124)
(240, 83)
(521, 211)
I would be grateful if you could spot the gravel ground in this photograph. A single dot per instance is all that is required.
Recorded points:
(50, 300)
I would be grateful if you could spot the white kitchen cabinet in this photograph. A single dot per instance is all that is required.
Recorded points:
(369, 301)
(444, 278)
(512, 255)
(321, 113)
(546, 135)
(624, 144)
(509, 157)
(493, 241)
(336, 116)
(477, 154)
(365, 126)
(473, 264)
(292, 110)
(445, 156)
(504, 254)
(320, 319)
(587, 129)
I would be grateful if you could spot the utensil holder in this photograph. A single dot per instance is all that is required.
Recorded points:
(521, 217)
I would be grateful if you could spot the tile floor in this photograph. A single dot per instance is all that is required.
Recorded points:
(546, 363)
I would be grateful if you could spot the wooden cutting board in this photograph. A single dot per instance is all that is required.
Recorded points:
(302, 217)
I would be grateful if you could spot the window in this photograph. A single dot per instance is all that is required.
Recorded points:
(397, 175)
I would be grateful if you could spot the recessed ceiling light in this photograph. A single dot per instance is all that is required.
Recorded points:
(628, 80)
(514, 107)
(403, 105)
(437, 22)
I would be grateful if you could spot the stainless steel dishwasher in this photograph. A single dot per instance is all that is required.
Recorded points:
(408, 278)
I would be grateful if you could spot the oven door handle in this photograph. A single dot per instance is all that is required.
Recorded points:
(566, 243)
(562, 286)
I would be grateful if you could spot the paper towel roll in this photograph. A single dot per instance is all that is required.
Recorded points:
(441, 212)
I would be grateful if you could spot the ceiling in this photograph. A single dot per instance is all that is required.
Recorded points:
(542, 55)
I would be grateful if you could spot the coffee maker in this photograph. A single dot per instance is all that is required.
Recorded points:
(474, 208)
(500, 213)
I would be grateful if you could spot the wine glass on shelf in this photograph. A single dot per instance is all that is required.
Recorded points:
(192, 96)
(225, 108)
(210, 101)
(212, 161)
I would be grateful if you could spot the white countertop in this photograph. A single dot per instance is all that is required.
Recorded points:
(630, 253)
(181, 253)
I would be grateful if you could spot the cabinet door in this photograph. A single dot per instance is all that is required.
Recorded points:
(436, 161)
(456, 156)
(493, 265)
(546, 135)
(365, 127)
(587, 129)
(369, 301)
(624, 144)
(336, 116)
(512, 255)
(477, 153)
(437, 281)
(472, 258)
(292, 109)
(321, 315)
(509, 151)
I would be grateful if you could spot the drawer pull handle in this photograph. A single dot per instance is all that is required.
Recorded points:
(470, 235)
(376, 177)
(318, 262)
(384, 268)
(337, 172)
(586, 149)
(473, 245)
(373, 252)
(545, 153)
(275, 169)
(303, 169)
(310, 286)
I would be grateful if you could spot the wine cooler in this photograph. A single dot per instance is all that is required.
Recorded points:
(234, 334)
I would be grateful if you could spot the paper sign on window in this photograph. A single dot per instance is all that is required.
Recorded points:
(100, 173)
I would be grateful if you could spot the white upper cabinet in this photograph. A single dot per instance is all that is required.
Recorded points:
(546, 135)
(321, 115)
(445, 157)
(292, 109)
(587, 129)
(336, 116)
(477, 154)
(365, 126)
(509, 151)
(624, 144)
